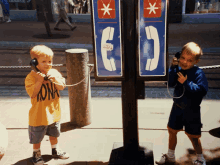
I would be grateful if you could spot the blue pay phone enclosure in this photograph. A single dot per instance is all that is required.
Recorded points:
(152, 48)
(106, 21)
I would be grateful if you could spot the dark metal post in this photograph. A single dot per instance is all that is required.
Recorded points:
(129, 96)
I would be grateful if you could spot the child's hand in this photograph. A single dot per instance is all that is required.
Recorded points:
(175, 61)
(57, 79)
(181, 78)
(51, 78)
(39, 76)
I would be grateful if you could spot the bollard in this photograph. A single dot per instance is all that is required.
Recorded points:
(79, 95)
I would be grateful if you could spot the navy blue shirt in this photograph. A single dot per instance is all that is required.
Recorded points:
(194, 88)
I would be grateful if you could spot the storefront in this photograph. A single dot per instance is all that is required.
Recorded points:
(22, 4)
(180, 11)
(27, 10)
(201, 11)
(81, 6)
(201, 6)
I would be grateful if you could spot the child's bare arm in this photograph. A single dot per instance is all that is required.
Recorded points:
(57, 79)
(59, 82)
(39, 80)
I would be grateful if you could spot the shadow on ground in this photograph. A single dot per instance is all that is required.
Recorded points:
(68, 126)
(47, 158)
(88, 163)
(212, 157)
(215, 132)
(28, 161)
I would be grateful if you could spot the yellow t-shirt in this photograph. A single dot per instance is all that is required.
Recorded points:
(45, 108)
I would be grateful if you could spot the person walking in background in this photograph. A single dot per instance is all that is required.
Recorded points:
(1, 13)
(6, 10)
(63, 14)
(84, 7)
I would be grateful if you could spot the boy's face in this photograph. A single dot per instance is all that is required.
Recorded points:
(187, 61)
(44, 64)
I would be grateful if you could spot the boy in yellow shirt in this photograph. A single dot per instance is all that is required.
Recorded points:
(44, 116)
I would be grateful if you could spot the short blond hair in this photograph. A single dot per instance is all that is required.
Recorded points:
(193, 49)
(41, 50)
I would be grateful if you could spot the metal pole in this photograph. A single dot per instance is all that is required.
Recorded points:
(129, 96)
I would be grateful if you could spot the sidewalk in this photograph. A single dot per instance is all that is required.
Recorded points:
(92, 144)
(21, 34)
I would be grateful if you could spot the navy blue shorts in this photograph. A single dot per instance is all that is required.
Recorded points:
(189, 118)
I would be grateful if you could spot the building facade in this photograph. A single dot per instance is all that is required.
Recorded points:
(180, 11)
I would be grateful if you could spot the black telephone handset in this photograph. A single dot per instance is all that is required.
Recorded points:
(177, 55)
(34, 64)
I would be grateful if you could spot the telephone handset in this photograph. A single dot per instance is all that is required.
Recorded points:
(152, 33)
(107, 34)
(177, 55)
(34, 64)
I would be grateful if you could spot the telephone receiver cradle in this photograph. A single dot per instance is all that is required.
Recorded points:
(152, 33)
(33, 64)
(107, 34)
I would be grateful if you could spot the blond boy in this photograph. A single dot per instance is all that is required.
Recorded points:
(44, 114)
(190, 81)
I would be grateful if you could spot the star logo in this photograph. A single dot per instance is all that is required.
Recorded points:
(106, 9)
(152, 8)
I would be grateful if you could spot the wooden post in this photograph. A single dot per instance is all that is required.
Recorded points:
(79, 95)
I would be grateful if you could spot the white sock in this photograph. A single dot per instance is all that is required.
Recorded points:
(171, 153)
(35, 150)
(200, 157)
(54, 146)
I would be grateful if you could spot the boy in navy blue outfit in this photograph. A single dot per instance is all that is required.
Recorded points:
(189, 80)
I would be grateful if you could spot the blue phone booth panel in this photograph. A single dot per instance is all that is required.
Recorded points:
(107, 38)
(152, 37)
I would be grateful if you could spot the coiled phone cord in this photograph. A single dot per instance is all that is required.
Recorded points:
(174, 96)
(79, 81)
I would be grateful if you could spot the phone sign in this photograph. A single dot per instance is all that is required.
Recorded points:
(107, 38)
(152, 37)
